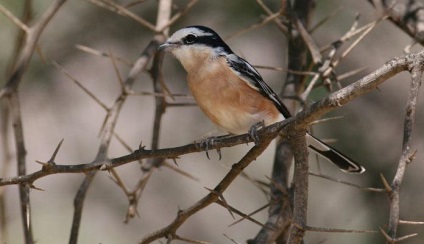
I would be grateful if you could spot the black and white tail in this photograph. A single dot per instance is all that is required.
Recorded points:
(342, 161)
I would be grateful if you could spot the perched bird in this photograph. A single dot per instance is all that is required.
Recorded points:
(231, 92)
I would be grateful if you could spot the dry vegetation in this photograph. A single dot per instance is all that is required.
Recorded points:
(97, 126)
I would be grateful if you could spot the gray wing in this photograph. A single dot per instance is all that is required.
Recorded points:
(252, 77)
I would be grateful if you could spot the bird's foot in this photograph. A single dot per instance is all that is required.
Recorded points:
(253, 131)
(208, 143)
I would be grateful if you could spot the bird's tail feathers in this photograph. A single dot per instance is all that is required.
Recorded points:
(342, 161)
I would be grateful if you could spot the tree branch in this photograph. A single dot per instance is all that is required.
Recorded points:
(298, 122)
(407, 153)
(407, 15)
(212, 197)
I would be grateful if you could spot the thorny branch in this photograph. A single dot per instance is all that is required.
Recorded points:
(110, 122)
(10, 91)
(407, 15)
(295, 126)
(408, 153)
(170, 231)
(280, 217)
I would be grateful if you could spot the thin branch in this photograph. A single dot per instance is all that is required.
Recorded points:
(325, 19)
(110, 5)
(31, 40)
(309, 41)
(277, 22)
(371, 189)
(108, 132)
(24, 189)
(14, 19)
(407, 15)
(10, 90)
(212, 197)
(254, 26)
(333, 230)
(408, 222)
(407, 153)
(248, 216)
(362, 36)
(102, 54)
(80, 85)
(394, 240)
(179, 15)
(6, 157)
(302, 119)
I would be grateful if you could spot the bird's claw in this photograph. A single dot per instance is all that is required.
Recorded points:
(253, 131)
(207, 144)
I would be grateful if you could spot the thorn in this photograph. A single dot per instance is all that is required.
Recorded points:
(36, 188)
(405, 237)
(175, 161)
(411, 222)
(393, 240)
(221, 197)
(298, 226)
(42, 163)
(386, 185)
(226, 205)
(141, 147)
(51, 161)
(388, 238)
(231, 239)
(411, 157)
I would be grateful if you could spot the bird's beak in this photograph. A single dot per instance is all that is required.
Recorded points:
(167, 46)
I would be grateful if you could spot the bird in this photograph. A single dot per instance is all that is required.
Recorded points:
(231, 92)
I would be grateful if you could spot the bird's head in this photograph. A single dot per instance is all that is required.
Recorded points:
(195, 44)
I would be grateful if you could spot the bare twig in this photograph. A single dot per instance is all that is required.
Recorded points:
(24, 188)
(183, 215)
(408, 222)
(110, 5)
(178, 15)
(303, 118)
(395, 240)
(102, 54)
(309, 41)
(333, 230)
(10, 90)
(371, 189)
(80, 85)
(254, 26)
(6, 158)
(25, 55)
(407, 153)
(108, 131)
(14, 19)
(248, 216)
(277, 22)
(407, 15)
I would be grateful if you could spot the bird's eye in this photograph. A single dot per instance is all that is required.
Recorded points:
(190, 38)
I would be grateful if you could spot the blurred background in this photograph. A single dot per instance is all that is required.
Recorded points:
(54, 107)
